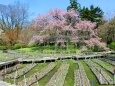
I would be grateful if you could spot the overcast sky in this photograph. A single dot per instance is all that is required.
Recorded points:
(37, 7)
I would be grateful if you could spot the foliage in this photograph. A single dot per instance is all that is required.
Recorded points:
(12, 35)
(49, 49)
(25, 35)
(93, 14)
(18, 46)
(94, 42)
(107, 31)
(74, 5)
(112, 45)
(4, 40)
(13, 16)
(96, 48)
(60, 27)
(3, 47)
(33, 45)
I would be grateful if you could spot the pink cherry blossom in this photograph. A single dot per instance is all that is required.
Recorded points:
(63, 26)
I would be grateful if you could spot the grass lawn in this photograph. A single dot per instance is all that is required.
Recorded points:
(69, 81)
(36, 50)
(3, 56)
(90, 74)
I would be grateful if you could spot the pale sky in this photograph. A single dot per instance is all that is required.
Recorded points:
(37, 7)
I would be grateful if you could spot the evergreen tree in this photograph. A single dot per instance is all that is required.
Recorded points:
(74, 5)
(94, 14)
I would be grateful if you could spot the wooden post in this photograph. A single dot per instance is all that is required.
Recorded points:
(44, 61)
(14, 81)
(15, 77)
(5, 72)
(100, 76)
(55, 82)
(16, 74)
(37, 80)
(25, 80)
(114, 77)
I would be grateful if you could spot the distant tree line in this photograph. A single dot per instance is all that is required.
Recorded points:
(13, 16)
(94, 14)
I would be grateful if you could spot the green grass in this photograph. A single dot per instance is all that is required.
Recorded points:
(47, 50)
(69, 81)
(90, 74)
(11, 80)
(34, 70)
(3, 56)
(22, 66)
(45, 79)
(108, 73)
(31, 72)
(106, 63)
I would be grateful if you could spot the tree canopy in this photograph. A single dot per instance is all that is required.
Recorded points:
(61, 27)
(13, 16)
(74, 5)
(94, 14)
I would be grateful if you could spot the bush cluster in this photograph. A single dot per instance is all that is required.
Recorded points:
(18, 46)
(112, 45)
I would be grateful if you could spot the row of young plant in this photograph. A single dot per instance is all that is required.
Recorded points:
(59, 77)
(109, 68)
(10, 55)
(81, 78)
(109, 61)
(10, 69)
(101, 75)
(21, 72)
(5, 57)
(37, 76)
(2, 83)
